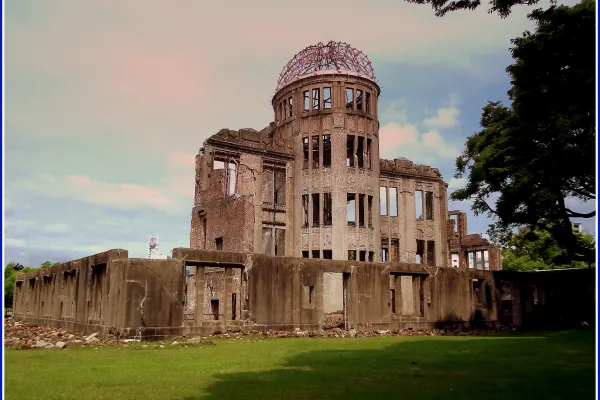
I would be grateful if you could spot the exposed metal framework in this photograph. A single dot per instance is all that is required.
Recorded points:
(333, 56)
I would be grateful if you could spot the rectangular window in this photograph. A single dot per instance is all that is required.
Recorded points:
(385, 255)
(362, 255)
(429, 206)
(305, 254)
(371, 256)
(360, 152)
(368, 102)
(370, 211)
(327, 98)
(315, 152)
(419, 204)
(350, 151)
(316, 254)
(305, 151)
(368, 155)
(486, 260)
(349, 99)
(290, 102)
(327, 209)
(430, 252)
(478, 261)
(327, 254)
(361, 210)
(359, 100)
(393, 202)
(231, 178)
(267, 240)
(306, 101)
(420, 252)
(352, 255)
(316, 207)
(281, 111)
(326, 151)
(305, 210)
(285, 108)
(219, 243)
(383, 200)
(471, 259)
(316, 99)
(351, 208)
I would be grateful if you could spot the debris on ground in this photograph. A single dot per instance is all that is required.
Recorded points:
(20, 335)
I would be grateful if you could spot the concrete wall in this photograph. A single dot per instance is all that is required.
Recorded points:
(106, 292)
(110, 293)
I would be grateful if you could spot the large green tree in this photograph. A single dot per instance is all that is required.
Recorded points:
(537, 249)
(538, 153)
(501, 7)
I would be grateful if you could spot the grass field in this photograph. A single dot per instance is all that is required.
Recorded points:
(547, 366)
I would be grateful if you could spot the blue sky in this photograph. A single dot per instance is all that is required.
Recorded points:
(107, 103)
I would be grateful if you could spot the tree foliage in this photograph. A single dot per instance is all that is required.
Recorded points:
(10, 272)
(501, 7)
(539, 152)
(537, 249)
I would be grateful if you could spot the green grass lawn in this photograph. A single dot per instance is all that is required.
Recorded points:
(547, 366)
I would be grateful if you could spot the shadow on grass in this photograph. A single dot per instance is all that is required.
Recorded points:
(544, 366)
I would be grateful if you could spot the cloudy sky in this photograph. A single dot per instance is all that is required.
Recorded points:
(107, 102)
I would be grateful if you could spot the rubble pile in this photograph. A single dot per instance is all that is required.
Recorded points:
(23, 336)
(20, 335)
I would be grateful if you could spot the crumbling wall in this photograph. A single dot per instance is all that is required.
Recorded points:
(106, 292)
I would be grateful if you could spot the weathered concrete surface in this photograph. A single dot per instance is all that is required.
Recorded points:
(243, 292)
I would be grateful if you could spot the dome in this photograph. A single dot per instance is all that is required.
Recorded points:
(333, 56)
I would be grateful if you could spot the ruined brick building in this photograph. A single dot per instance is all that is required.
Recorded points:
(302, 221)
(312, 185)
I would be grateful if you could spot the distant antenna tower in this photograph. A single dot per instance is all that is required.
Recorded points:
(153, 246)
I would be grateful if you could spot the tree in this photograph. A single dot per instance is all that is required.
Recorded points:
(502, 7)
(10, 272)
(537, 249)
(47, 264)
(539, 152)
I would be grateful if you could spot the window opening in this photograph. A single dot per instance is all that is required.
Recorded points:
(359, 100)
(368, 102)
(306, 101)
(420, 251)
(305, 210)
(419, 204)
(305, 151)
(369, 163)
(351, 255)
(327, 254)
(327, 98)
(231, 178)
(326, 151)
(383, 200)
(315, 152)
(371, 256)
(350, 151)
(305, 254)
(429, 205)
(349, 99)
(395, 250)
(351, 208)
(393, 202)
(285, 108)
(316, 254)
(327, 209)
(360, 152)
(385, 257)
(316, 99)
(315, 209)
(361, 210)
(370, 211)
(430, 252)
(219, 243)
(363, 255)
(290, 102)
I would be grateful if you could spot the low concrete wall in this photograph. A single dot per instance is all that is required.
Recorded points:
(111, 293)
